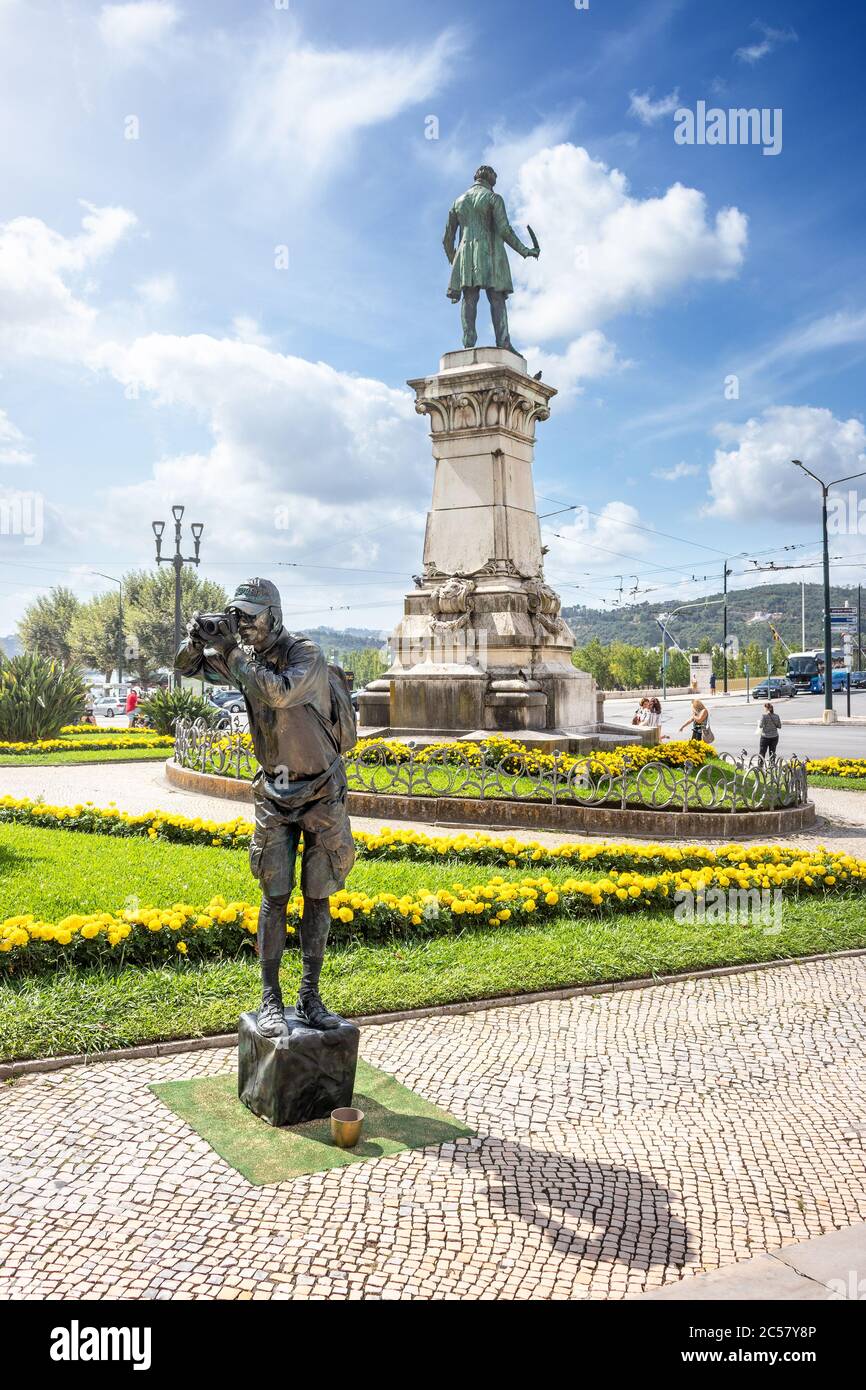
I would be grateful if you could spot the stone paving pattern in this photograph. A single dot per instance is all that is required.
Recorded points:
(625, 1141)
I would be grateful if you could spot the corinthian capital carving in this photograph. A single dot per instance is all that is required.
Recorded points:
(502, 407)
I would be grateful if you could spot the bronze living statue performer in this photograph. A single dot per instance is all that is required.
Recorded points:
(300, 785)
(480, 261)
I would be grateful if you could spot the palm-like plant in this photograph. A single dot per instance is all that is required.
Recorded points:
(37, 697)
(165, 706)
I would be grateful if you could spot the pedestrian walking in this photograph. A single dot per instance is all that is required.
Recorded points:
(655, 713)
(768, 729)
(131, 706)
(712, 682)
(700, 722)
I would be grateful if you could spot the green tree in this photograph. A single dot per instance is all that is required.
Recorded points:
(595, 659)
(95, 633)
(46, 624)
(149, 596)
(756, 660)
(633, 667)
(366, 663)
(678, 669)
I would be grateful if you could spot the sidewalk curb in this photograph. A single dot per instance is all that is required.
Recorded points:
(30, 1066)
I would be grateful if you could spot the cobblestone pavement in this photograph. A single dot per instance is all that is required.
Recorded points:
(625, 1141)
(141, 787)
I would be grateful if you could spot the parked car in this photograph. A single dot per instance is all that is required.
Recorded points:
(858, 680)
(110, 705)
(232, 701)
(776, 688)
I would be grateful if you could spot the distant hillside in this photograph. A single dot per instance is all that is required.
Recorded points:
(748, 611)
(11, 646)
(351, 639)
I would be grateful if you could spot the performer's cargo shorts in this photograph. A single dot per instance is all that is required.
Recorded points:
(328, 853)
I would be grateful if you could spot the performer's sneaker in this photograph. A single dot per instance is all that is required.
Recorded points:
(311, 1010)
(272, 1019)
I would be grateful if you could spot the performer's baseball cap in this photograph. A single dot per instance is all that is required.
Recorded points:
(254, 595)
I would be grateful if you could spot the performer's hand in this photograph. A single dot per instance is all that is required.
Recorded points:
(224, 640)
(193, 633)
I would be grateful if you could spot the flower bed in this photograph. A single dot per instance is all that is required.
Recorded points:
(150, 935)
(837, 767)
(102, 742)
(394, 844)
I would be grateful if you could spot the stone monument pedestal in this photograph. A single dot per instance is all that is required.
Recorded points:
(482, 646)
(302, 1076)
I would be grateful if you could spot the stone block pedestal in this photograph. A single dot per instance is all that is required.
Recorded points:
(303, 1076)
(482, 643)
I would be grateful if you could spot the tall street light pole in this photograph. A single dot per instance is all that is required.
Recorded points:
(829, 714)
(119, 584)
(178, 560)
(725, 572)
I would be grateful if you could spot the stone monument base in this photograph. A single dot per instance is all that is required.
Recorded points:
(299, 1077)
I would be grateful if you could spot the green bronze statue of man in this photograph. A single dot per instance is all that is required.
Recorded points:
(480, 262)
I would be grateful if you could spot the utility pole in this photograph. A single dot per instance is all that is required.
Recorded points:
(859, 634)
(725, 573)
(119, 584)
(178, 561)
(829, 713)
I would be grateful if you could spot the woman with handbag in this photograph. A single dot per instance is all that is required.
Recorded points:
(700, 722)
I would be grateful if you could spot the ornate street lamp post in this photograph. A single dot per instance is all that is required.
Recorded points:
(829, 714)
(178, 560)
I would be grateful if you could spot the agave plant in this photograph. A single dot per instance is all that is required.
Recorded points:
(165, 706)
(37, 697)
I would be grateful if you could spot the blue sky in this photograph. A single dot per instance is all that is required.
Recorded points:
(152, 352)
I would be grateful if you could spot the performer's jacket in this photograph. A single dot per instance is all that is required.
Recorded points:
(288, 700)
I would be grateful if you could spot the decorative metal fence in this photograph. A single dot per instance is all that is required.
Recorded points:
(744, 783)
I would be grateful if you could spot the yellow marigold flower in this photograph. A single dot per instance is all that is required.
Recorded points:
(182, 947)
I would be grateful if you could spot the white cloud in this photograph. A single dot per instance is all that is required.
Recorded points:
(603, 251)
(590, 544)
(507, 152)
(679, 470)
(158, 290)
(133, 30)
(39, 314)
(13, 450)
(753, 476)
(301, 106)
(590, 355)
(648, 111)
(247, 330)
(753, 53)
(329, 448)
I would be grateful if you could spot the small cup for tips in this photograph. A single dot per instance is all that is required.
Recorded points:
(346, 1126)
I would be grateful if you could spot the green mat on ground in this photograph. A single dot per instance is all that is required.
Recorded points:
(395, 1119)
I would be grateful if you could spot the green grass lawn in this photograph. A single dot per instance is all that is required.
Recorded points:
(84, 755)
(845, 784)
(80, 1011)
(54, 872)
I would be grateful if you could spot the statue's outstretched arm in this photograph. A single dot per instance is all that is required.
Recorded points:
(450, 235)
(504, 228)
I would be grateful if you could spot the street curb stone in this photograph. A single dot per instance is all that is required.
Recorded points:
(11, 1070)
